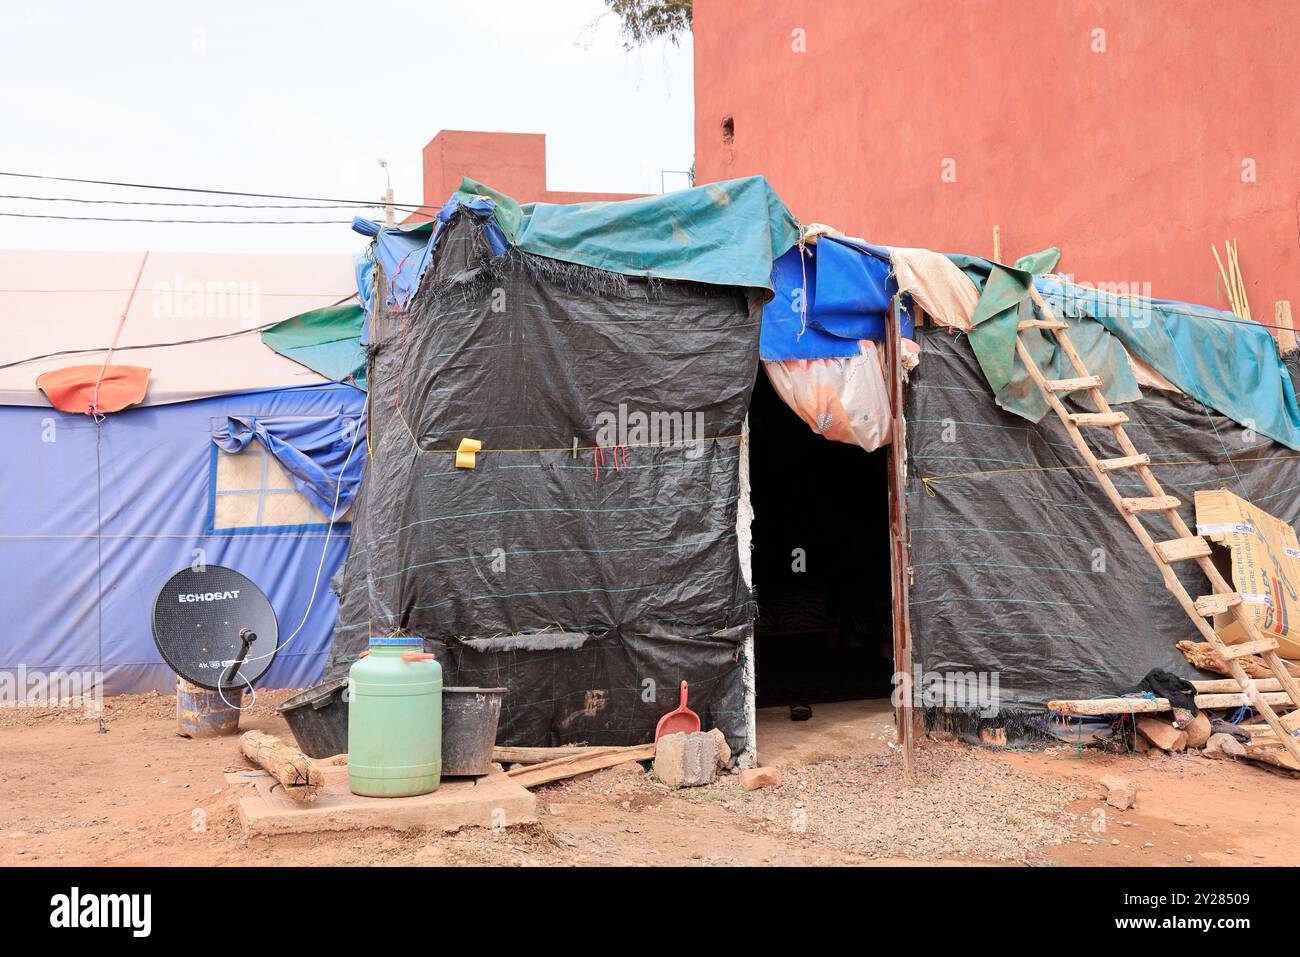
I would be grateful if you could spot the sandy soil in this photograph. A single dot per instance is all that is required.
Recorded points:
(141, 794)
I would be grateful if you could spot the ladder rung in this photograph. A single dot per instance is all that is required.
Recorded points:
(1156, 503)
(1249, 648)
(1127, 462)
(1216, 604)
(1290, 721)
(1074, 385)
(1101, 420)
(1183, 549)
(1055, 324)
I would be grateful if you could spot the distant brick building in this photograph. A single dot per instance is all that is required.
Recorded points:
(513, 163)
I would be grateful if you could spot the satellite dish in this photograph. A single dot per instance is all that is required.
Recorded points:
(215, 628)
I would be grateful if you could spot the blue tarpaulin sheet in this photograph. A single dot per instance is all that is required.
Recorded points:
(822, 307)
(1231, 365)
(313, 450)
(158, 471)
(406, 251)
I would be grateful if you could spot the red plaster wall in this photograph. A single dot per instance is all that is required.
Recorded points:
(511, 163)
(1130, 159)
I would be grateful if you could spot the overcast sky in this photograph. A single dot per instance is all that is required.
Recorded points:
(301, 98)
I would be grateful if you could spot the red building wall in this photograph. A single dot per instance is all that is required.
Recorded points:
(1131, 148)
(511, 163)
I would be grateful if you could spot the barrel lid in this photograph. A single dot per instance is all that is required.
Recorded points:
(395, 641)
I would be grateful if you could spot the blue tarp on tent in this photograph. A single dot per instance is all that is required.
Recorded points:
(158, 473)
(1230, 364)
(822, 306)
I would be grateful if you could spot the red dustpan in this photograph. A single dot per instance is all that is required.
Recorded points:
(680, 720)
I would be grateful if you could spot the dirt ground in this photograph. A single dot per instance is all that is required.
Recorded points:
(142, 795)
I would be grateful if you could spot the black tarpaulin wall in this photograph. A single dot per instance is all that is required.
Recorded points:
(1022, 566)
(589, 584)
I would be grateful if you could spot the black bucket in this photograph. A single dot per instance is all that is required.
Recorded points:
(469, 730)
(318, 719)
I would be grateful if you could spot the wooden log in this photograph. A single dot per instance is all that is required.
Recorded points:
(301, 780)
(1097, 706)
(538, 755)
(572, 766)
(1203, 656)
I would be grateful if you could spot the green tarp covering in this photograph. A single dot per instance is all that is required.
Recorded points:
(727, 233)
(1004, 302)
(325, 341)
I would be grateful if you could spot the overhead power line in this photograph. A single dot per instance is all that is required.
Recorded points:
(210, 192)
(206, 222)
(151, 202)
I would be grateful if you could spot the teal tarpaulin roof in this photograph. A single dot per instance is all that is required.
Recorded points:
(726, 233)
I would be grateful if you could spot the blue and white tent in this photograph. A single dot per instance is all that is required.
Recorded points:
(236, 456)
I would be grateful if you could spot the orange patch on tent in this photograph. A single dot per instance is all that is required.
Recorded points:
(72, 388)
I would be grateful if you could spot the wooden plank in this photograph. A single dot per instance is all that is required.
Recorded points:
(1095, 706)
(1230, 686)
(1100, 420)
(1208, 605)
(1050, 324)
(1248, 648)
(1286, 341)
(1183, 549)
(1205, 656)
(1155, 503)
(562, 768)
(1074, 385)
(1124, 462)
(538, 755)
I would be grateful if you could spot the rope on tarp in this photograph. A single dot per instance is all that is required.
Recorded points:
(928, 480)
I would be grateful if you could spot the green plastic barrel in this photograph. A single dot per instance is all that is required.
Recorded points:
(394, 720)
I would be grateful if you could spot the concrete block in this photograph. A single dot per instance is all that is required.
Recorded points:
(686, 760)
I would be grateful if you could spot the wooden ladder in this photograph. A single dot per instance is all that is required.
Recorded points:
(1184, 546)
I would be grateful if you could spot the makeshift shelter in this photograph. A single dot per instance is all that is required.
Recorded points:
(587, 570)
(1018, 570)
(555, 500)
(233, 455)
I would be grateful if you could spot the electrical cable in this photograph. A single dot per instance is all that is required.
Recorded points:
(163, 345)
(149, 202)
(210, 192)
(334, 512)
(199, 222)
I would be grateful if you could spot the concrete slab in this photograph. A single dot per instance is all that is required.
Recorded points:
(490, 801)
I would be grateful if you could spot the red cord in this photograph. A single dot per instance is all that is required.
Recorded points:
(94, 402)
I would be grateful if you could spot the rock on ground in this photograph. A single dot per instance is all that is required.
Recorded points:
(760, 778)
(1162, 734)
(1198, 732)
(1223, 746)
(1120, 792)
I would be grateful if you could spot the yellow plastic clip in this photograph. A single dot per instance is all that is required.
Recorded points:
(465, 454)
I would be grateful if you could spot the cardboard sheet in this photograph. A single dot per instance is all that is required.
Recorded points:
(1265, 566)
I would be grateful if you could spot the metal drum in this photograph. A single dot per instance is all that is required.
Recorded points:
(201, 713)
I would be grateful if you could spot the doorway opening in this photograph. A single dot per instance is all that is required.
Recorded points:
(821, 569)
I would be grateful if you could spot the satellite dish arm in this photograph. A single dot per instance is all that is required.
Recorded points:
(247, 638)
